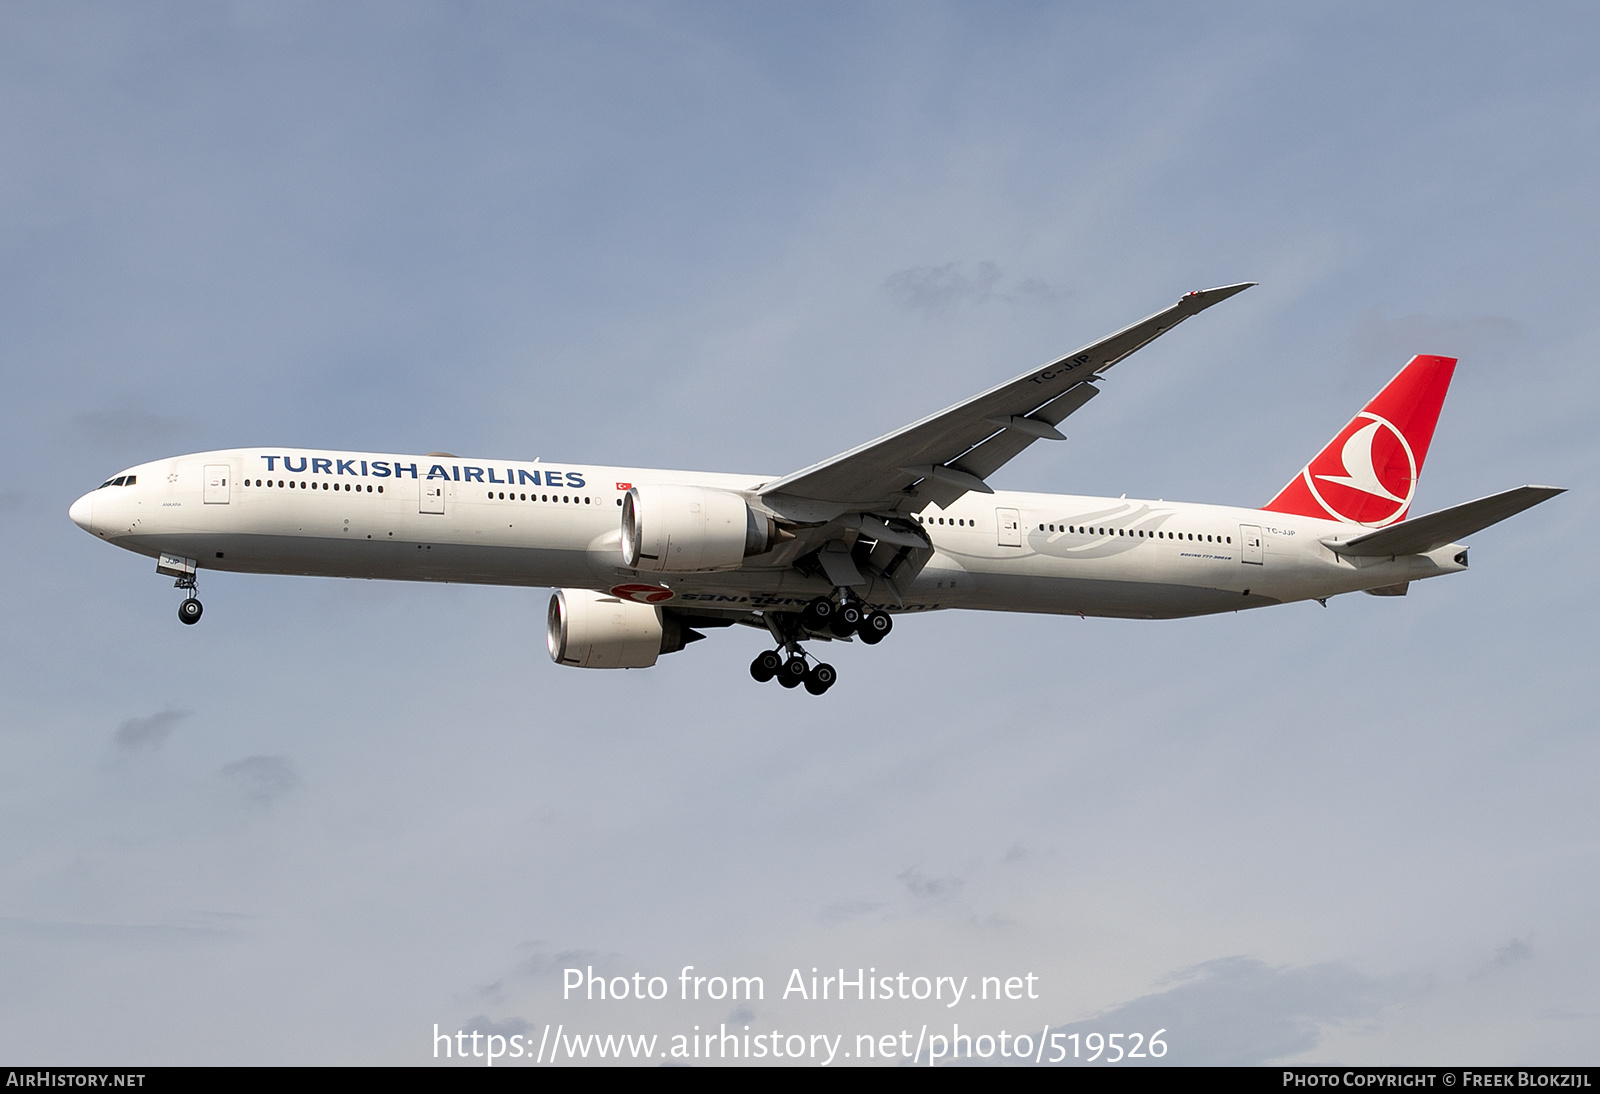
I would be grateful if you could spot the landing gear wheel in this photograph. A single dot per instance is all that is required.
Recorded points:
(766, 666)
(189, 610)
(817, 614)
(794, 672)
(875, 626)
(820, 679)
(845, 621)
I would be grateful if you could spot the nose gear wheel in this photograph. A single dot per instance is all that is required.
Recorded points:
(189, 608)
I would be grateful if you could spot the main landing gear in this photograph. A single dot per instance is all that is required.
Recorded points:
(793, 671)
(789, 665)
(846, 618)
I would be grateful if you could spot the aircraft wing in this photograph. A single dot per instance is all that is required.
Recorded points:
(1419, 535)
(950, 453)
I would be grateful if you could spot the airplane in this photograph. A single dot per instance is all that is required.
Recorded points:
(645, 561)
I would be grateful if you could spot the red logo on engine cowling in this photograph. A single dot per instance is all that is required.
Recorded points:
(1367, 475)
(643, 594)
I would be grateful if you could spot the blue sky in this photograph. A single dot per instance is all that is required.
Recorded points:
(734, 237)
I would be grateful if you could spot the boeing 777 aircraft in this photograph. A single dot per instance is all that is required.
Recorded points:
(644, 561)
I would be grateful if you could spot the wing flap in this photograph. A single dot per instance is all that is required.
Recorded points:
(1420, 535)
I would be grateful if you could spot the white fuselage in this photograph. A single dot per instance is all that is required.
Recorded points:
(509, 522)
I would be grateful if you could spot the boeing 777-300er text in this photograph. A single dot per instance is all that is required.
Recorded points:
(644, 561)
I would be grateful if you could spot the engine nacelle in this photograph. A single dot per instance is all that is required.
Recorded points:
(590, 630)
(672, 529)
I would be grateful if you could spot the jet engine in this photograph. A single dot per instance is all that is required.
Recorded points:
(672, 529)
(590, 630)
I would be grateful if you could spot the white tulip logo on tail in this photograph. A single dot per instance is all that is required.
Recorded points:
(1367, 479)
(1367, 474)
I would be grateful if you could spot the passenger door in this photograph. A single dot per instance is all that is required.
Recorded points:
(1010, 527)
(432, 496)
(216, 492)
(1250, 537)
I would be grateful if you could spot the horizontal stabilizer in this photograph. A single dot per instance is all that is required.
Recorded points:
(1423, 534)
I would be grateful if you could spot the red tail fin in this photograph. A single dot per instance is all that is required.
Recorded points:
(1368, 473)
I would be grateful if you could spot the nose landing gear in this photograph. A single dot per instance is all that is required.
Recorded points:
(184, 570)
(189, 608)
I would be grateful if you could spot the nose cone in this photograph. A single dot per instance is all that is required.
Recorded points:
(82, 512)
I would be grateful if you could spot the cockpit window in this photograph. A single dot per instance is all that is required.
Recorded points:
(131, 480)
(120, 480)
